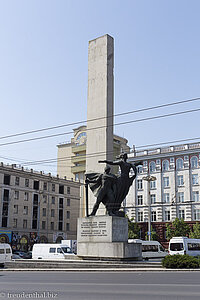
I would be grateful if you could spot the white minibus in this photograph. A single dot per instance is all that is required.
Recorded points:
(51, 251)
(5, 253)
(183, 245)
(152, 249)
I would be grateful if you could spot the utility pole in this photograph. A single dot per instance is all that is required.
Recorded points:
(149, 179)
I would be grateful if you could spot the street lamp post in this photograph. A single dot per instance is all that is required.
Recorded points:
(149, 179)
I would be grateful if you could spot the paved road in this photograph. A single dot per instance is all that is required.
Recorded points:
(98, 286)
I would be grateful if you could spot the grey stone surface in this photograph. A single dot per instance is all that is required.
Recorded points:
(106, 237)
(120, 250)
(100, 229)
(100, 105)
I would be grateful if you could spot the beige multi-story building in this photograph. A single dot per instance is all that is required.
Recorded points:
(36, 207)
(71, 160)
(173, 190)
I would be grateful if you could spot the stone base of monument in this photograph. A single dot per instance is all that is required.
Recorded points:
(106, 237)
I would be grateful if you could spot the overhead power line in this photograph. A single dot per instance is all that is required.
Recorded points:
(96, 154)
(99, 127)
(96, 119)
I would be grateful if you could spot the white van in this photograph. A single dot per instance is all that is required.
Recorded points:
(51, 251)
(152, 249)
(183, 245)
(5, 253)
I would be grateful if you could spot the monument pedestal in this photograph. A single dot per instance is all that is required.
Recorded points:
(106, 237)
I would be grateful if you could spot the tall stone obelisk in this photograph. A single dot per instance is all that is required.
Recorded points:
(100, 106)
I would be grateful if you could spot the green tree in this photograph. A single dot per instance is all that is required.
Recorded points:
(177, 228)
(195, 234)
(154, 236)
(133, 230)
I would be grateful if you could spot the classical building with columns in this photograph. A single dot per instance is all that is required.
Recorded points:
(173, 190)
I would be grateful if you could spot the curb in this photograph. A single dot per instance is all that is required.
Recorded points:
(102, 270)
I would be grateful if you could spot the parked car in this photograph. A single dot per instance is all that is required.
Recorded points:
(5, 253)
(20, 253)
(16, 256)
(152, 249)
(183, 245)
(51, 251)
(28, 255)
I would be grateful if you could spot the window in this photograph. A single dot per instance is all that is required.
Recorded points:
(17, 180)
(25, 210)
(16, 195)
(194, 162)
(165, 165)
(167, 215)
(166, 182)
(140, 216)
(176, 246)
(195, 179)
(15, 223)
(166, 197)
(52, 212)
(153, 198)
(44, 212)
(153, 184)
(15, 209)
(193, 246)
(36, 185)
(45, 186)
(77, 177)
(26, 195)
(180, 197)
(6, 179)
(61, 189)
(181, 214)
(60, 202)
(139, 184)
(52, 250)
(45, 198)
(153, 216)
(60, 226)
(67, 226)
(140, 199)
(68, 190)
(152, 167)
(53, 187)
(43, 224)
(24, 223)
(52, 225)
(68, 202)
(26, 182)
(180, 181)
(195, 196)
(68, 214)
(35, 199)
(6, 195)
(196, 214)
(53, 200)
(179, 163)
(139, 169)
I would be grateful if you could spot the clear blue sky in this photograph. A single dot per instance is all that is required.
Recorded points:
(44, 61)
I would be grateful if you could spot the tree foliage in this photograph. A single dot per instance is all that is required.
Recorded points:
(133, 230)
(195, 234)
(154, 236)
(177, 228)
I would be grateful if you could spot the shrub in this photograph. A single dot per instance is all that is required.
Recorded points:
(180, 262)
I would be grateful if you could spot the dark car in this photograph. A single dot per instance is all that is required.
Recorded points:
(28, 255)
(20, 253)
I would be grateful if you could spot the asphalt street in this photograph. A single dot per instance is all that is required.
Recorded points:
(98, 286)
